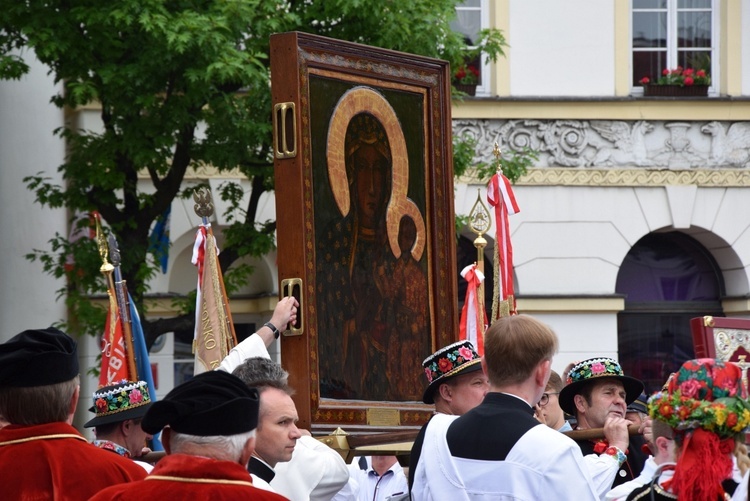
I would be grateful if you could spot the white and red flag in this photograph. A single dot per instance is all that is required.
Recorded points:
(500, 196)
(473, 315)
(214, 332)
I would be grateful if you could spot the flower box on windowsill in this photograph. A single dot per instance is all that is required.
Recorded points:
(675, 90)
(470, 89)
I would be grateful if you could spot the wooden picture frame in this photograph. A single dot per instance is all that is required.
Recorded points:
(724, 338)
(365, 227)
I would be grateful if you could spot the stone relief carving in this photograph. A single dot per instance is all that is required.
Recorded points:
(616, 143)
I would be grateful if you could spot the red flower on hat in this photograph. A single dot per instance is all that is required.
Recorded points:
(136, 396)
(466, 353)
(690, 388)
(598, 368)
(445, 365)
(732, 420)
(428, 373)
(101, 405)
(665, 410)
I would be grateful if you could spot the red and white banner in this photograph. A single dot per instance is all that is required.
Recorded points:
(473, 314)
(500, 196)
(114, 367)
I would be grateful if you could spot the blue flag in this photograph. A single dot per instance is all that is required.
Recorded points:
(158, 240)
(142, 362)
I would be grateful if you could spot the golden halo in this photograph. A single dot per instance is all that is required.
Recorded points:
(364, 99)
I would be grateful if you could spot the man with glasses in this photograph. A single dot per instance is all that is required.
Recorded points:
(548, 410)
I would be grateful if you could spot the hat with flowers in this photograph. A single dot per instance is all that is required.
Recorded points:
(703, 404)
(593, 369)
(446, 363)
(705, 393)
(116, 403)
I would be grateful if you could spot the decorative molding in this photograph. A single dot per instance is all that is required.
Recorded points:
(620, 153)
(724, 178)
(570, 304)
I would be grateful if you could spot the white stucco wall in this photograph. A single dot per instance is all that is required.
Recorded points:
(27, 146)
(561, 48)
(745, 50)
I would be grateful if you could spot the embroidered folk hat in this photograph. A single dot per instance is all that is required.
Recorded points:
(116, 403)
(704, 393)
(210, 404)
(582, 373)
(453, 360)
(703, 404)
(38, 357)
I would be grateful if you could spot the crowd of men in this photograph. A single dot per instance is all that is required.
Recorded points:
(500, 429)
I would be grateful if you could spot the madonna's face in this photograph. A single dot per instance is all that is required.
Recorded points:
(371, 185)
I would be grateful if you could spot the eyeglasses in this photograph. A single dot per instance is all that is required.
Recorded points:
(545, 397)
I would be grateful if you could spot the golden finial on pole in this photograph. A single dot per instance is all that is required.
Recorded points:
(479, 223)
(498, 156)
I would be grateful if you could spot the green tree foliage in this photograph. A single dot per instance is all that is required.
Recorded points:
(180, 84)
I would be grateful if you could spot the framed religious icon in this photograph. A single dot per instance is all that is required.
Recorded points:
(365, 227)
(722, 337)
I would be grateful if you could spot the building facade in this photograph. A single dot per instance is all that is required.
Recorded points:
(635, 218)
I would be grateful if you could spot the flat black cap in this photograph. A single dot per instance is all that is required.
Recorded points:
(38, 357)
(210, 404)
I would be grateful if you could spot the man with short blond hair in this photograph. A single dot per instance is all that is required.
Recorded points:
(498, 450)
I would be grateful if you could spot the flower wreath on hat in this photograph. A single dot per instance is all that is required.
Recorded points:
(448, 361)
(696, 399)
(122, 398)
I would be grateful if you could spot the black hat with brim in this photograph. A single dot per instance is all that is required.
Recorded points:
(117, 403)
(449, 362)
(591, 370)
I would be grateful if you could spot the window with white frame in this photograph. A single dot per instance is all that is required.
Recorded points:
(471, 17)
(672, 33)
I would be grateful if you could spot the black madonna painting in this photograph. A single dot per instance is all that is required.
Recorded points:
(374, 223)
(371, 261)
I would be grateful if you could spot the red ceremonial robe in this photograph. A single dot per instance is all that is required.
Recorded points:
(179, 476)
(53, 461)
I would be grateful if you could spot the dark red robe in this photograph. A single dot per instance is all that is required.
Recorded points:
(179, 476)
(54, 461)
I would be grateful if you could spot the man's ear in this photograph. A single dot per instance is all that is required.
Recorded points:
(73, 404)
(165, 435)
(543, 371)
(247, 451)
(580, 402)
(444, 390)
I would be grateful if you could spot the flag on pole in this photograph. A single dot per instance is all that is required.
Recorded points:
(114, 368)
(142, 361)
(214, 335)
(473, 315)
(158, 240)
(500, 196)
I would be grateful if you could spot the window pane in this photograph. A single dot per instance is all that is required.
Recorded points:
(469, 3)
(698, 60)
(694, 29)
(649, 4)
(468, 22)
(648, 64)
(649, 29)
(694, 4)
